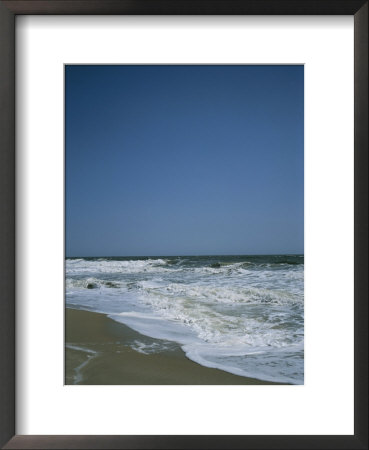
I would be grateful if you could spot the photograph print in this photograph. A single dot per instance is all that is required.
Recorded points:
(184, 224)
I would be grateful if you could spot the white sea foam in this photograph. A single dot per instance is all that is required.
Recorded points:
(81, 266)
(154, 347)
(78, 370)
(91, 283)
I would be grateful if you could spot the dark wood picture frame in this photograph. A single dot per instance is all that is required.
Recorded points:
(8, 11)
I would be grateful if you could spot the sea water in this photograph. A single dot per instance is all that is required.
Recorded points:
(240, 314)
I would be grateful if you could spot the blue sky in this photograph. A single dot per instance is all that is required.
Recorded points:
(184, 160)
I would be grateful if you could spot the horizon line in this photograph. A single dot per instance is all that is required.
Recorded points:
(178, 255)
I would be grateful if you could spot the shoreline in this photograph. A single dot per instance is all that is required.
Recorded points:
(98, 352)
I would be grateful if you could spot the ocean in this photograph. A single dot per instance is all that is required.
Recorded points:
(240, 314)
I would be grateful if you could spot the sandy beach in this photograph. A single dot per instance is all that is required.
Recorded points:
(98, 352)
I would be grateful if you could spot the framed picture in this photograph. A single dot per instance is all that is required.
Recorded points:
(190, 220)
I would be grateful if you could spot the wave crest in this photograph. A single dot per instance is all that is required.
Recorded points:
(83, 266)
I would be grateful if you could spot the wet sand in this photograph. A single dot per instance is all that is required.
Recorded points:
(98, 352)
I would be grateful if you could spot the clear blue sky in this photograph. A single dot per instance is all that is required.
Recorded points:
(184, 160)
